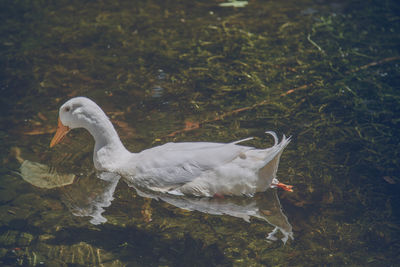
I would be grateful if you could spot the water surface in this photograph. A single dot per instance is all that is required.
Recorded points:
(326, 73)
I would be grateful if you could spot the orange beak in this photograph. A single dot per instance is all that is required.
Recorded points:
(62, 130)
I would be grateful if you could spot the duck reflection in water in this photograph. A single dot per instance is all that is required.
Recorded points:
(88, 196)
(97, 194)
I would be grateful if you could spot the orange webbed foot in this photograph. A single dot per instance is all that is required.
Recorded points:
(285, 187)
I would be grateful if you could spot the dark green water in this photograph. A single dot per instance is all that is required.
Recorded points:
(325, 72)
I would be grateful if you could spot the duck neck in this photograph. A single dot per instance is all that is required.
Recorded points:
(109, 150)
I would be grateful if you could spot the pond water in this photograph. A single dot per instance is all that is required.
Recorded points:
(324, 72)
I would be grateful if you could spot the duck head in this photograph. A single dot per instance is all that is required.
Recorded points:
(79, 112)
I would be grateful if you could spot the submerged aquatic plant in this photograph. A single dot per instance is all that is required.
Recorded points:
(326, 73)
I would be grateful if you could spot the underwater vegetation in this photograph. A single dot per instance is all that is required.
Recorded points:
(326, 73)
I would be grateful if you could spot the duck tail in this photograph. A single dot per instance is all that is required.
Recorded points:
(274, 136)
(242, 140)
(270, 161)
(285, 140)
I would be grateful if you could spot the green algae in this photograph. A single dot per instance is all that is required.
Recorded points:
(344, 122)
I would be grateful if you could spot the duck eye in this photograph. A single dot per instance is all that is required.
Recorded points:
(67, 109)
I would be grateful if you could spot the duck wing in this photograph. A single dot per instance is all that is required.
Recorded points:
(174, 164)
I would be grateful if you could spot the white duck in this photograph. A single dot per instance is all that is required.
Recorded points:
(193, 168)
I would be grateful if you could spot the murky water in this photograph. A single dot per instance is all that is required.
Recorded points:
(325, 72)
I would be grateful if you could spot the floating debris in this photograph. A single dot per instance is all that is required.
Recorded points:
(40, 175)
(234, 4)
(43, 176)
(389, 179)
